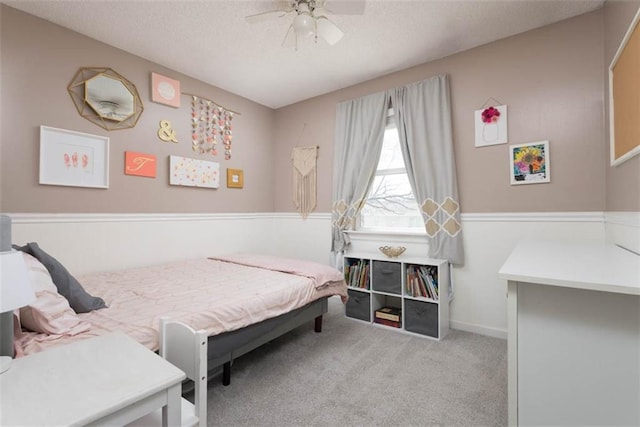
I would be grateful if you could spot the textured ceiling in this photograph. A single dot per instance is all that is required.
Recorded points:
(211, 41)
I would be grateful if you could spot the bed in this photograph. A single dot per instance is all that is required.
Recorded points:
(241, 300)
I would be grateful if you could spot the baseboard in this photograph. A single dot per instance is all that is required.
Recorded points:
(477, 329)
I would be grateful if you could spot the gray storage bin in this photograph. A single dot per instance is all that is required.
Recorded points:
(386, 277)
(358, 305)
(421, 317)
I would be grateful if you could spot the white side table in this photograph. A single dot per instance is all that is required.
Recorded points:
(107, 380)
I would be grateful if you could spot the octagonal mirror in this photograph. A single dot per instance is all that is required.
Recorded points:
(109, 97)
(105, 98)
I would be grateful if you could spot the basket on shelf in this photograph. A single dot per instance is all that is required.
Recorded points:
(392, 251)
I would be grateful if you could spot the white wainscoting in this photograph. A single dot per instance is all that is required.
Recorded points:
(480, 298)
(87, 243)
(480, 303)
(623, 229)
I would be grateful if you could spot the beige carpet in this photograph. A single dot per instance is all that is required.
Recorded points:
(354, 374)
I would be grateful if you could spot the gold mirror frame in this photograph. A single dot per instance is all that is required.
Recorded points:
(105, 98)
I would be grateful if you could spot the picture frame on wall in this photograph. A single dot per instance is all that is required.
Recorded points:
(140, 164)
(73, 159)
(235, 178)
(490, 126)
(624, 97)
(529, 163)
(190, 172)
(165, 90)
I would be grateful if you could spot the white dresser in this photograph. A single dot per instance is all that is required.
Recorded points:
(574, 334)
(107, 380)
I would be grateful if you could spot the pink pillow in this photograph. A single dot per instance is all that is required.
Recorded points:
(50, 313)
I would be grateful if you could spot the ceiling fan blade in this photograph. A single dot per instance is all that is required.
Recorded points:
(263, 16)
(343, 7)
(328, 30)
(290, 39)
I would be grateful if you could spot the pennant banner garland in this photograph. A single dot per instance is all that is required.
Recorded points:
(211, 124)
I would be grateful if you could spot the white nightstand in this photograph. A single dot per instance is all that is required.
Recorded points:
(107, 380)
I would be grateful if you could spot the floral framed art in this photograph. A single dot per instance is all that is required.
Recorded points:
(529, 163)
(73, 159)
(491, 126)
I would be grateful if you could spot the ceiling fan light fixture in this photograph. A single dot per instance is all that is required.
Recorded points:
(304, 25)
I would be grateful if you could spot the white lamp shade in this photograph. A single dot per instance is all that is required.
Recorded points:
(15, 288)
(328, 30)
(304, 25)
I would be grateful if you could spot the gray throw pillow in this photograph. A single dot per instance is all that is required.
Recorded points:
(68, 286)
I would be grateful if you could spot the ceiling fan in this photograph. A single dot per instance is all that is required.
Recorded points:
(309, 19)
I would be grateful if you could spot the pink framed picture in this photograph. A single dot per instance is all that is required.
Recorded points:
(140, 164)
(165, 90)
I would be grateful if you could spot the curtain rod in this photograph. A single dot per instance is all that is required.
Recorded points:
(210, 100)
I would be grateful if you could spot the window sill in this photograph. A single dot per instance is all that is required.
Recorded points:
(389, 235)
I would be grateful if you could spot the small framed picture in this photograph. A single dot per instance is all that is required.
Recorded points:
(73, 159)
(165, 90)
(140, 164)
(491, 126)
(529, 163)
(235, 178)
(190, 172)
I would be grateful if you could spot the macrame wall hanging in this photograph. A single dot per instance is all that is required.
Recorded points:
(211, 124)
(304, 179)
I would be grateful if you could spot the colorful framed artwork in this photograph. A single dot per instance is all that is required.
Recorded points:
(165, 90)
(624, 97)
(193, 172)
(140, 164)
(529, 163)
(73, 159)
(491, 126)
(235, 178)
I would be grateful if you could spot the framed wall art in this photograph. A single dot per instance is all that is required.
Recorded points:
(73, 159)
(140, 164)
(193, 172)
(624, 97)
(529, 163)
(491, 126)
(165, 90)
(235, 178)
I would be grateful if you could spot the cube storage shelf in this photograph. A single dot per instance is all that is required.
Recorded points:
(376, 282)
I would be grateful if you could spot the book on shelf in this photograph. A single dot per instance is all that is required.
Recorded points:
(393, 314)
(422, 281)
(357, 274)
(386, 322)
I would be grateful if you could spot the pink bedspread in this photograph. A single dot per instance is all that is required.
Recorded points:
(210, 294)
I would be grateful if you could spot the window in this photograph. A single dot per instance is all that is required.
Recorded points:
(391, 203)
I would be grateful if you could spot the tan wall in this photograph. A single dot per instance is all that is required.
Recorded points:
(623, 181)
(39, 60)
(552, 81)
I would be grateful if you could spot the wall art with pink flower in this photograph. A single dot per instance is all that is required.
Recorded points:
(491, 126)
(193, 172)
(73, 159)
(529, 163)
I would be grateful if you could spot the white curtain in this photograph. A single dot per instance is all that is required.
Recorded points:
(359, 133)
(423, 116)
